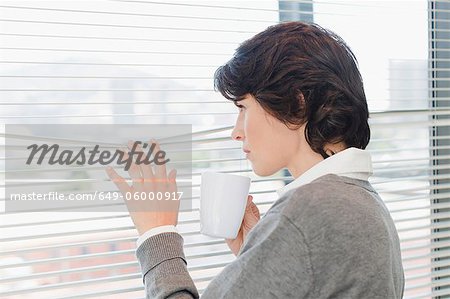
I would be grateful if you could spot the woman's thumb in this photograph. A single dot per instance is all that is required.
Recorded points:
(252, 209)
(249, 202)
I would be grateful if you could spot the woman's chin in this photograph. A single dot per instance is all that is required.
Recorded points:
(263, 171)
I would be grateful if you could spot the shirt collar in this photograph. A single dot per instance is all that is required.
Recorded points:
(351, 162)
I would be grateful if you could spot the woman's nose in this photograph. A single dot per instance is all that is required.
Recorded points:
(237, 134)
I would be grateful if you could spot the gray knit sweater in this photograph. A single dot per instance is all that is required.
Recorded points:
(331, 238)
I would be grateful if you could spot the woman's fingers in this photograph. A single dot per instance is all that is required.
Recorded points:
(143, 173)
(134, 171)
(120, 182)
(255, 211)
(172, 180)
(249, 203)
(251, 207)
(149, 208)
(146, 169)
(161, 173)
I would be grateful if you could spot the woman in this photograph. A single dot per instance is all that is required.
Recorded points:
(301, 106)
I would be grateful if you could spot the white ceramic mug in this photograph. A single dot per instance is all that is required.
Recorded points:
(223, 198)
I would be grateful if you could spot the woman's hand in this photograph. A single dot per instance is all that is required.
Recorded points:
(147, 214)
(251, 217)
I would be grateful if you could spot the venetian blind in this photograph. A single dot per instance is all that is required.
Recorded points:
(151, 62)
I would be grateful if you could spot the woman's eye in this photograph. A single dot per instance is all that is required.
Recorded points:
(240, 106)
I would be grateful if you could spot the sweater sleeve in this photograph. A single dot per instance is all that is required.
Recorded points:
(273, 262)
(163, 266)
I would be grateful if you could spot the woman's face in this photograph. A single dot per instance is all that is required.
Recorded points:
(269, 143)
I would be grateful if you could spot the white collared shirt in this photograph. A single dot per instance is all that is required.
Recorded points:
(154, 231)
(351, 162)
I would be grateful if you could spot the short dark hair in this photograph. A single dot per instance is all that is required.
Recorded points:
(301, 73)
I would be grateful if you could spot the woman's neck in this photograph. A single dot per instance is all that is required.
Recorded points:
(306, 158)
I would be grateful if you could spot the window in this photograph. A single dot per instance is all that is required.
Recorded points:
(152, 62)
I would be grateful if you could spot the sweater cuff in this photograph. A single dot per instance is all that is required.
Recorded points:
(159, 248)
(154, 231)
